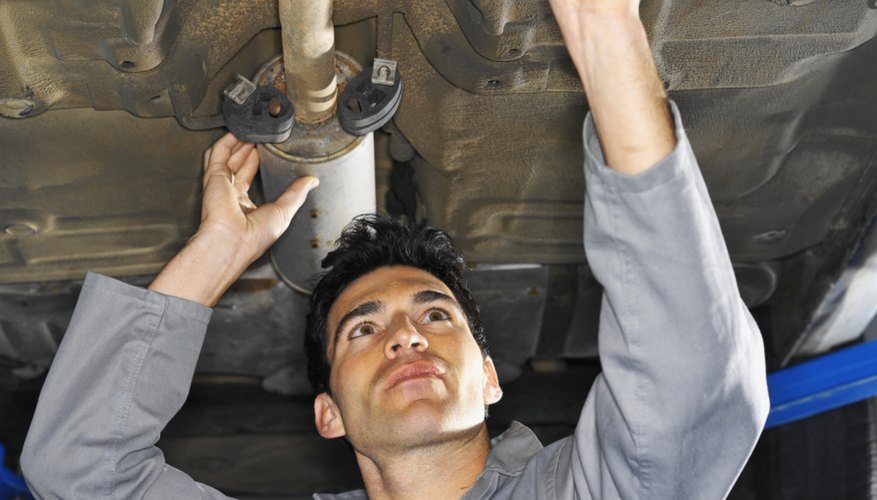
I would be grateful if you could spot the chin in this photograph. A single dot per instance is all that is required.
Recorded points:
(424, 422)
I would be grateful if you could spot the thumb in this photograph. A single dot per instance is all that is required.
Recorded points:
(295, 195)
(276, 216)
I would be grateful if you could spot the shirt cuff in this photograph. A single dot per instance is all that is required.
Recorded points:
(670, 167)
(181, 307)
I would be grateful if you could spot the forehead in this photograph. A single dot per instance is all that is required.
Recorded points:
(384, 284)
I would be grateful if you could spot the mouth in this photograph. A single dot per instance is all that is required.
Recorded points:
(411, 371)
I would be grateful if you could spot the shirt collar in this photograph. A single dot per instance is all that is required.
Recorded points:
(348, 495)
(511, 450)
(509, 454)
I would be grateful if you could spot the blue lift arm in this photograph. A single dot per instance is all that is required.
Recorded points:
(825, 383)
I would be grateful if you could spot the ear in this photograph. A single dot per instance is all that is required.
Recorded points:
(492, 391)
(327, 417)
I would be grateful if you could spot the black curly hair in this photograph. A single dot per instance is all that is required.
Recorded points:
(370, 242)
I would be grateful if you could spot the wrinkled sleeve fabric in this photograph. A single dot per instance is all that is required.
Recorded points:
(121, 372)
(683, 397)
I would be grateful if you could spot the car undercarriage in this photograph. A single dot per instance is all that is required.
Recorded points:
(107, 107)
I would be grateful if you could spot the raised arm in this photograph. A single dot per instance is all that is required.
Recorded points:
(608, 45)
(126, 362)
(682, 397)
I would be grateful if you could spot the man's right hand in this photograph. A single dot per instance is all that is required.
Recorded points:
(233, 231)
(609, 47)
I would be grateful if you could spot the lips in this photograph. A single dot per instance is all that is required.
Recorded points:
(410, 371)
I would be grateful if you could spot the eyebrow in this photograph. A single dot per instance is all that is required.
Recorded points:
(427, 296)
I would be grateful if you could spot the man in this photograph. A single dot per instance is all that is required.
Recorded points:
(394, 340)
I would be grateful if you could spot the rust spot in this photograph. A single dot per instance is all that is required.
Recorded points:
(342, 84)
(315, 243)
(314, 213)
(533, 291)
(280, 82)
(341, 70)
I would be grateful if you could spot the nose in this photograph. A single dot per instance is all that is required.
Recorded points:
(404, 336)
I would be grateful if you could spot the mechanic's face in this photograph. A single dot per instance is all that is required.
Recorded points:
(406, 370)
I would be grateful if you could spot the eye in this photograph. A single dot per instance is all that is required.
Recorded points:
(436, 315)
(362, 330)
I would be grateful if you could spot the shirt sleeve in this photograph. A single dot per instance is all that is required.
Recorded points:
(121, 372)
(683, 395)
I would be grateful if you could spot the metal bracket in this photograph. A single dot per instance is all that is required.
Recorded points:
(384, 72)
(240, 89)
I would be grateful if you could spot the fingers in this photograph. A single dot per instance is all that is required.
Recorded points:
(225, 147)
(227, 156)
(214, 169)
(244, 178)
(227, 150)
(239, 155)
(247, 172)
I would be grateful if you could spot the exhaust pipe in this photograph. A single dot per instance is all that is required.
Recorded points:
(309, 47)
(318, 146)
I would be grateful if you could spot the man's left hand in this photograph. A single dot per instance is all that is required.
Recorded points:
(233, 232)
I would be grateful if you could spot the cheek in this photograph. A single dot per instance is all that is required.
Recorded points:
(471, 365)
(352, 375)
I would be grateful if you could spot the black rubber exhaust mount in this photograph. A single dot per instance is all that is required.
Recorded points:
(257, 114)
(365, 107)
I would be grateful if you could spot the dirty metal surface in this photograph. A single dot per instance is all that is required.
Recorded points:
(83, 189)
(106, 107)
(776, 98)
(257, 328)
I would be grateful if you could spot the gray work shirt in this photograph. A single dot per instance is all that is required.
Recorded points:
(676, 412)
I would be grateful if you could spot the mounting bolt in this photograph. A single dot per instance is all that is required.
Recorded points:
(16, 107)
(22, 229)
(275, 107)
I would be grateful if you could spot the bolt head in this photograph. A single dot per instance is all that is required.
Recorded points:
(14, 107)
(22, 229)
(275, 107)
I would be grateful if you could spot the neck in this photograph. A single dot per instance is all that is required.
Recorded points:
(435, 471)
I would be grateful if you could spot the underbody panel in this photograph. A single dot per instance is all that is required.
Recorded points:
(106, 108)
